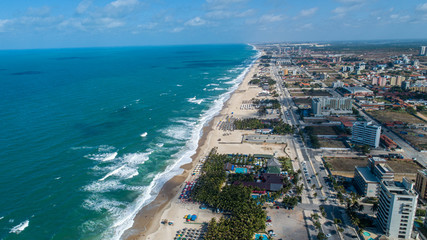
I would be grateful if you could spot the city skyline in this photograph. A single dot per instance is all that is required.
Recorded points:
(86, 23)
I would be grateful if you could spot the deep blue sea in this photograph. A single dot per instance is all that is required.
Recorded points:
(89, 136)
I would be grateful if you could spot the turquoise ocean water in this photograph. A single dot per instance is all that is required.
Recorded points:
(89, 136)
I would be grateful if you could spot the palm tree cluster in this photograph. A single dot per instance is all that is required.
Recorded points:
(245, 216)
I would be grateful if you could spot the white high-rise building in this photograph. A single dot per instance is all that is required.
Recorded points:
(423, 51)
(366, 133)
(396, 208)
(325, 106)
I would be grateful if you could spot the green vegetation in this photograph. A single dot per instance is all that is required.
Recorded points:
(246, 216)
(279, 127)
(255, 81)
(313, 138)
(420, 212)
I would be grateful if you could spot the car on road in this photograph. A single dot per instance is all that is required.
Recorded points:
(328, 235)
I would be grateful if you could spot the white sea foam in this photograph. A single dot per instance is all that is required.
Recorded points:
(82, 148)
(20, 227)
(178, 132)
(1, 217)
(212, 84)
(182, 157)
(115, 171)
(144, 134)
(195, 100)
(98, 203)
(105, 186)
(110, 157)
(106, 148)
(224, 78)
(179, 85)
(103, 157)
(160, 145)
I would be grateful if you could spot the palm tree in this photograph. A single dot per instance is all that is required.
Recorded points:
(375, 206)
(317, 225)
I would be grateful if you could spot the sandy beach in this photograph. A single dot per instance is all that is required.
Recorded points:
(147, 224)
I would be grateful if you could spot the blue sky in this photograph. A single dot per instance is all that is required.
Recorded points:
(85, 23)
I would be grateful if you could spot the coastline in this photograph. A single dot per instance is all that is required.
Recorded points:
(147, 220)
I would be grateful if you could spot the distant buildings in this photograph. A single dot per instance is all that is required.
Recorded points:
(396, 81)
(358, 91)
(396, 210)
(423, 51)
(367, 179)
(338, 84)
(366, 133)
(347, 69)
(325, 106)
(421, 184)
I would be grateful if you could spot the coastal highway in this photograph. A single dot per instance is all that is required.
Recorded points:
(313, 171)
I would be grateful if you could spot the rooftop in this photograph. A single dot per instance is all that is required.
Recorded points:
(400, 188)
(367, 174)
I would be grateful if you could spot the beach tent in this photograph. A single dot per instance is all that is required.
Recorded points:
(193, 217)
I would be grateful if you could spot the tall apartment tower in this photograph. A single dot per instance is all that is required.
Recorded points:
(423, 51)
(366, 133)
(396, 208)
(421, 184)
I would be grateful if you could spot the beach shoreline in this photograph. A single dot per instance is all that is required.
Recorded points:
(147, 221)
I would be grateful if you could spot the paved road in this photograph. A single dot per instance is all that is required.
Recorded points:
(313, 171)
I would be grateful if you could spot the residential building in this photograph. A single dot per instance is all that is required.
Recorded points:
(382, 81)
(396, 208)
(423, 51)
(366, 133)
(337, 84)
(421, 184)
(400, 79)
(374, 81)
(406, 85)
(325, 106)
(393, 81)
(367, 179)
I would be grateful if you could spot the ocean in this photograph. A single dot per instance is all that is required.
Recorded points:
(89, 136)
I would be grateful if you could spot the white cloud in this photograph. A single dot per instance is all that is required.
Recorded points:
(351, 1)
(219, 14)
(245, 13)
(177, 29)
(3, 23)
(120, 8)
(221, 4)
(83, 6)
(124, 3)
(271, 18)
(197, 21)
(342, 11)
(308, 12)
(148, 26)
(110, 22)
(223, 14)
(422, 7)
(42, 11)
